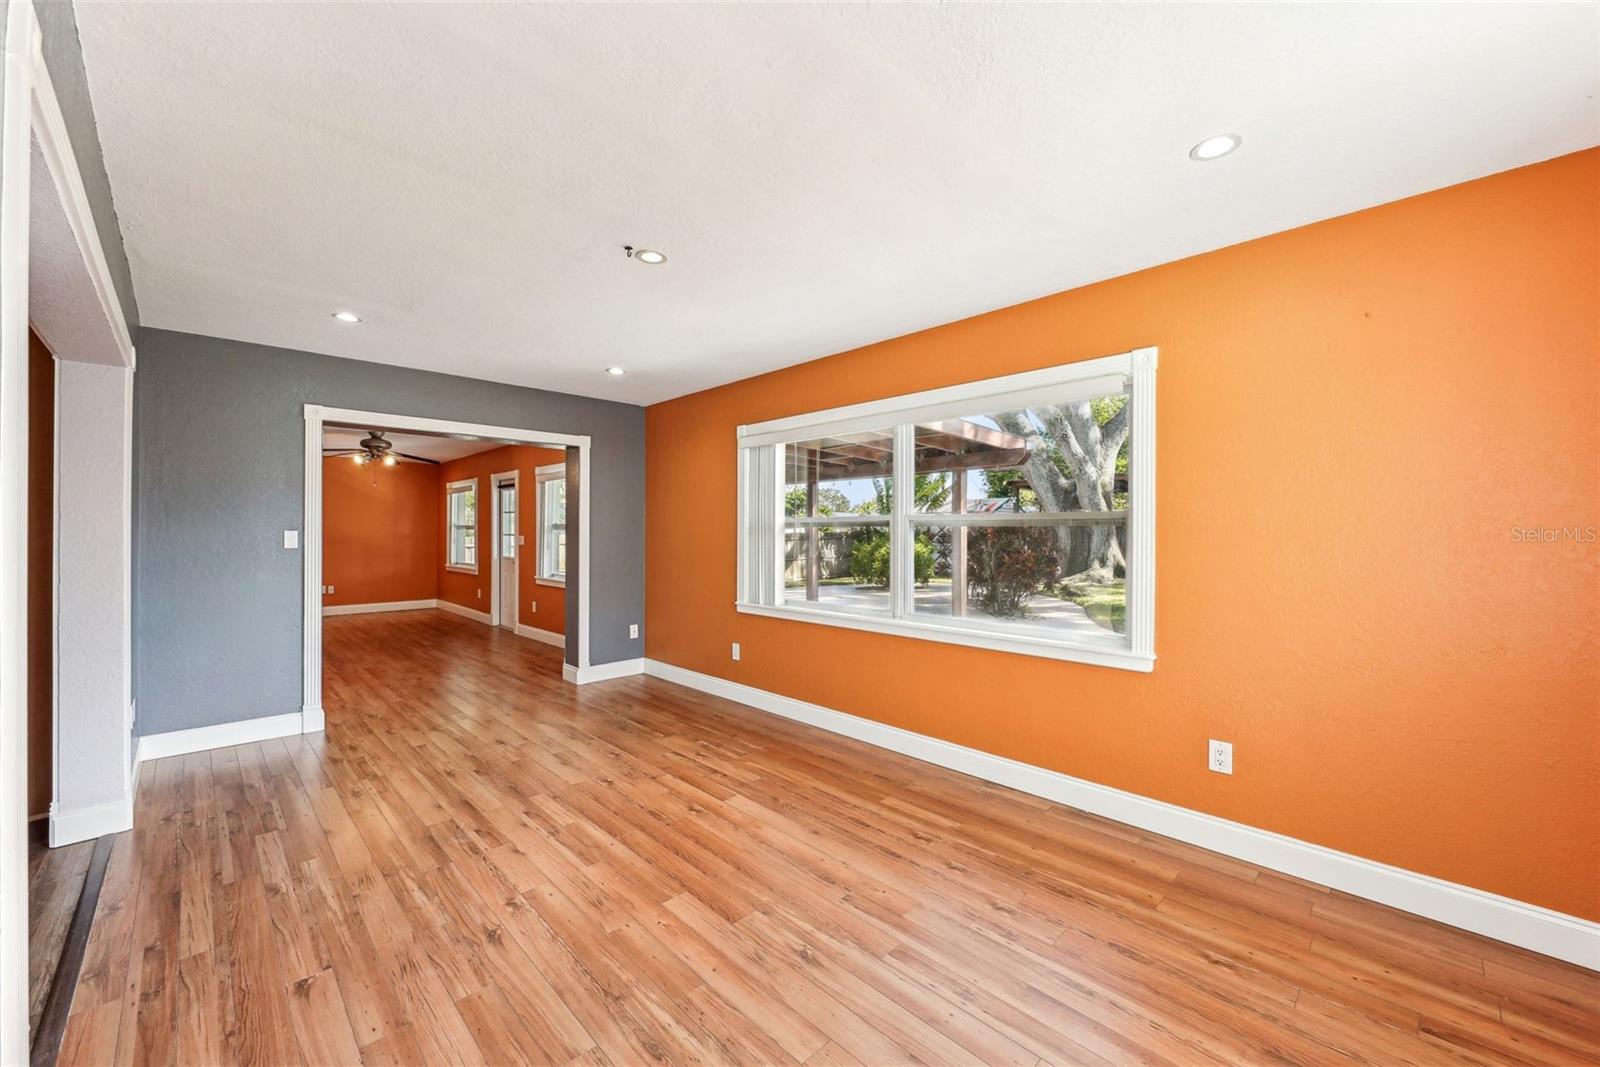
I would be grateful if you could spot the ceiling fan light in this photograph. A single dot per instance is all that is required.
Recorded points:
(360, 458)
(389, 461)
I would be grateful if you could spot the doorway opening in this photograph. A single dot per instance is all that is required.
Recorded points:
(405, 513)
(508, 543)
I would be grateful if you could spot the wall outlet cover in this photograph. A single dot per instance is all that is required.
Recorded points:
(633, 631)
(291, 539)
(736, 651)
(1219, 756)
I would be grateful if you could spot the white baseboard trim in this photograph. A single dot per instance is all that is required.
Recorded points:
(549, 637)
(1551, 933)
(312, 719)
(457, 609)
(86, 824)
(364, 609)
(602, 672)
(222, 735)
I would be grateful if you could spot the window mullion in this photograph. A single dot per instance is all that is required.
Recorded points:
(901, 572)
(771, 460)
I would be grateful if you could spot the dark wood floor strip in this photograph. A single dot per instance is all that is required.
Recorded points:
(52, 1026)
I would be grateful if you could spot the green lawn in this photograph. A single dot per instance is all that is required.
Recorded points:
(1106, 604)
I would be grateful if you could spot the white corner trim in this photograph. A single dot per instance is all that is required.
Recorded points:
(602, 672)
(1552, 933)
(471, 613)
(312, 719)
(549, 637)
(222, 735)
(50, 128)
(392, 605)
(86, 824)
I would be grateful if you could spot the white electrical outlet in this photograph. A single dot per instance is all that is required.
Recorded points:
(736, 651)
(480, 594)
(633, 631)
(533, 606)
(1219, 756)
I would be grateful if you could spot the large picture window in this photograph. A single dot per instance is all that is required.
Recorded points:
(461, 505)
(1015, 513)
(552, 508)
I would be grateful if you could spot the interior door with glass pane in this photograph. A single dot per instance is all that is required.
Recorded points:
(506, 499)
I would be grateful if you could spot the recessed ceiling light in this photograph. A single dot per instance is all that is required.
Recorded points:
(615, 372)
(347, 316)
(1215, 147)
(645, 255)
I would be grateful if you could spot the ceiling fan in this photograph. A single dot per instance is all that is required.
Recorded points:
(376, 448)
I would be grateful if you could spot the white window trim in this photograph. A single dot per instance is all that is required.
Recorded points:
(450, 490)
(551, 472)
(1134, 371)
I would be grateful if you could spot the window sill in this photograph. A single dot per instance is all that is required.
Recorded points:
(459, 569)
(560, 583)
(1113, 653)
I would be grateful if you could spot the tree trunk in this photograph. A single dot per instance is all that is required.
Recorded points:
(1089, 452)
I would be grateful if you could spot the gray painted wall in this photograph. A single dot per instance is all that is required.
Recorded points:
(63, 56)
(219, 437)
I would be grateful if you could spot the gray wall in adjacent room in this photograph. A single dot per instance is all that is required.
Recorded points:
(219, 442)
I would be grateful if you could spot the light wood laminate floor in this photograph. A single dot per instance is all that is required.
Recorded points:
(479, 863)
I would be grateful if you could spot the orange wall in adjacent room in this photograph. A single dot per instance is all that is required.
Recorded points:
(1352, 419)
(380, 533)
(41, 573)
(473, 590)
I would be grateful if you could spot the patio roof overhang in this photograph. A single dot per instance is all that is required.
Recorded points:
(947, 445)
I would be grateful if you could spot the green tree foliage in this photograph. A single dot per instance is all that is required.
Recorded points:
(830, 501)
(869, 559)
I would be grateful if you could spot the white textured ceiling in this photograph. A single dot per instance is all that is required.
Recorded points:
(822, 176)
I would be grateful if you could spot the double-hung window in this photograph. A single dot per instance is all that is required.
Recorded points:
(461, 507)
(552, 509)
(1016, 513)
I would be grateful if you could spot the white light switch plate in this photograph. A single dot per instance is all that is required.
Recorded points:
(291, 539)
(736, 651)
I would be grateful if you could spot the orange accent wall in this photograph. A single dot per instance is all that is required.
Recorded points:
(380, 532)
(473, 590)
(1352, 418)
